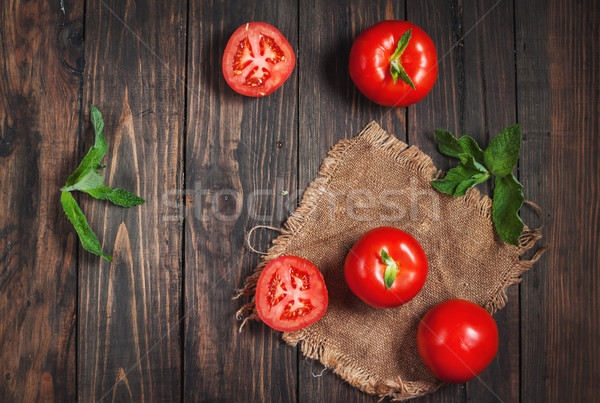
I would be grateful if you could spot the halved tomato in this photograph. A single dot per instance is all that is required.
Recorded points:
(290, 294)
(257, 59)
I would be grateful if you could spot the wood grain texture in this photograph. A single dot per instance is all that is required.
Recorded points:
(235, 174)
(129, 336)
(559, 107)
(443, 107)
(159, 323)
(40, 49)
(474, 95)
(332, 108)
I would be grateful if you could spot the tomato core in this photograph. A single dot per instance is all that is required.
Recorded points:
(296, 306)
(268, 51)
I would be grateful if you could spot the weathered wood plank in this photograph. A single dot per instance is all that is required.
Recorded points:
(129, 336)
(332, 108)
(40, 77)
(558, 98)
(474, 95)
(443, 107)
(241, 154)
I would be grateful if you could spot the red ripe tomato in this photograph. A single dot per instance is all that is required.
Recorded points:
(393, 63)
(457, 340)
(257, 59)
(290, 294)
(386, 267)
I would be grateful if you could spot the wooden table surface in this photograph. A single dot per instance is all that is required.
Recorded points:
(159, 323)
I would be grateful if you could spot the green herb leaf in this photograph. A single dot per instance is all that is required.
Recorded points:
(459, 179)
(97, 120)
(398, 72)
(385, 258)
(508, 199)
(396, 69)
(92, 159)
(390, 275)
(390, 271)
(476, 166)
(88, 239)
(402, 44)
(119, 197)
(89, 180)
(470, 162)
(450, 145)
(502, 154)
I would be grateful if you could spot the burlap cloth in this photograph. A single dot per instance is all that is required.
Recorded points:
(365, 182)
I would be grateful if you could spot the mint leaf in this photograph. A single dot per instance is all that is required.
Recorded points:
(119, 197)
(470, 162)
(390, 275)
(450, 145)
(502, 154)
(476, 166)
(398, 72)
(390, 271)
(385, 258)
(86, 235)
(396, 69)
(459, 179)
(508, 199)
(97, 121)
(88, 180)
(402, 44)
(94, 156)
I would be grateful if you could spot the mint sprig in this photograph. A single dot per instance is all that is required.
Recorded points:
(476, 166)
(87, 178)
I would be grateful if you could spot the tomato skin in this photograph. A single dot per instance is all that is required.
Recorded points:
(457, 340)
(290, 280)
(369, 63)
(364, 269)
(275, 56)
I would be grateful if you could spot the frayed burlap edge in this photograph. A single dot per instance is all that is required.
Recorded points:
(317, 349)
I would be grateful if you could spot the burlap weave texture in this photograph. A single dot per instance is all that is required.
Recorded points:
(365, 182)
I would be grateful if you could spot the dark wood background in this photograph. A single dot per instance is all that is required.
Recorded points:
(159, 323)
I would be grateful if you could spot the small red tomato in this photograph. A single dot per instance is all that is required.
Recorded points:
(393, 63)
(257, 59)
(386, 267)
(290, 294)
(457, 340)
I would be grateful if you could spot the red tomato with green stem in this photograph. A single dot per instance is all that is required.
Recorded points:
(257, 59)
(457, 340)
(393, 63)
(386, 267)
(290, 294)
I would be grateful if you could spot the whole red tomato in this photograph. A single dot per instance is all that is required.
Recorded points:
(257, 59)
(393, 63)
(457, 340)
(386, 267)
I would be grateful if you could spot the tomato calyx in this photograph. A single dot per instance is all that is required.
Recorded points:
(390, 271)
(396, 69)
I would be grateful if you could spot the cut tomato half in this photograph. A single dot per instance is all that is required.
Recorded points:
(257, 59)
(290, 294)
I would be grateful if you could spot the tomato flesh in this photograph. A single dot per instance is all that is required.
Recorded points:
(290, 294)
(257, 60)
(457, 340)
(364, 268)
